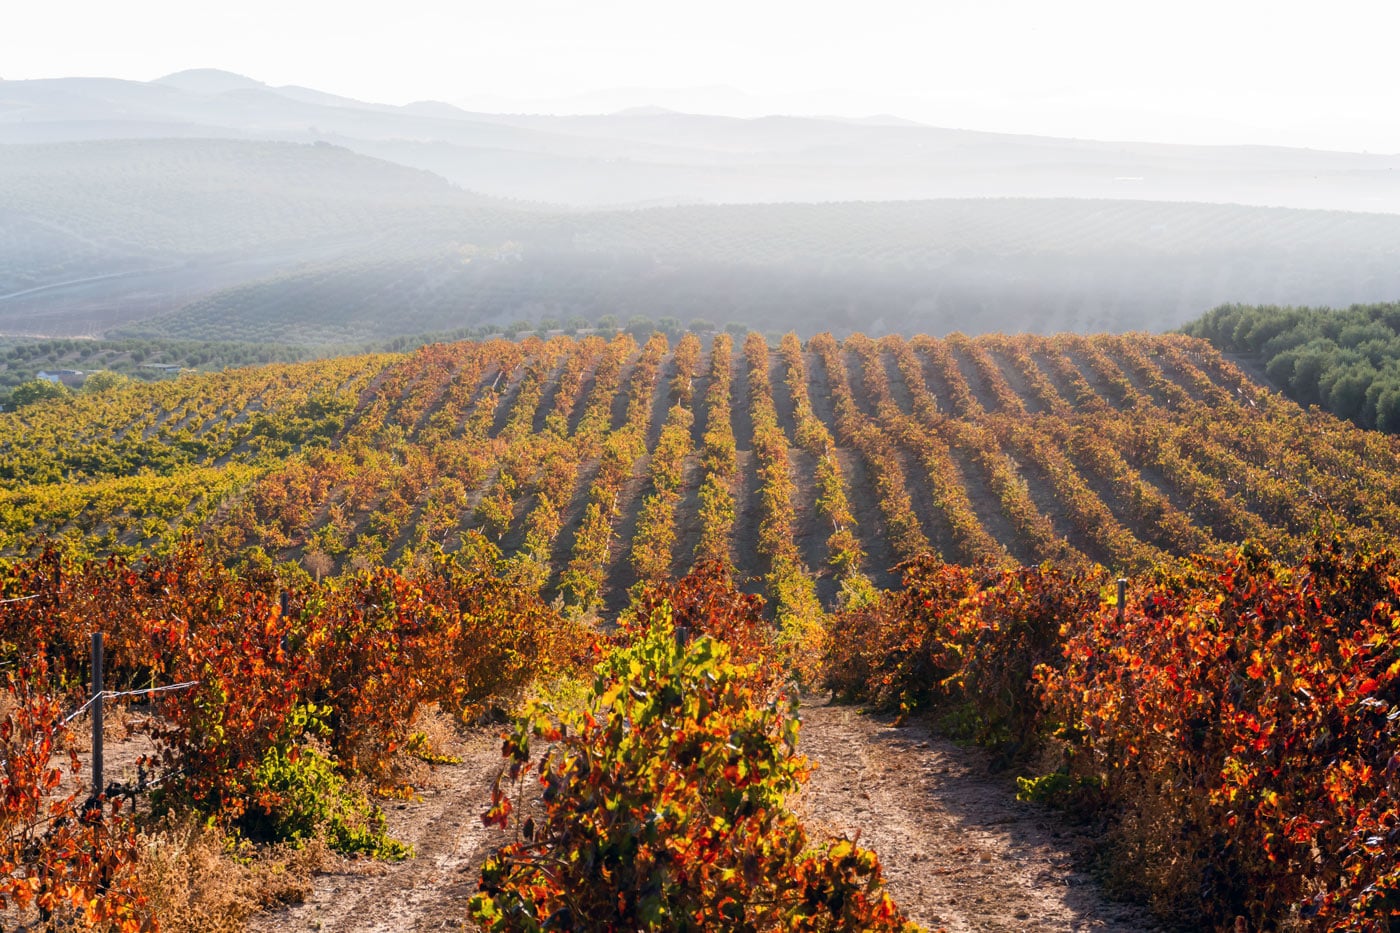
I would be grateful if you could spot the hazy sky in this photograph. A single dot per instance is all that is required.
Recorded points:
(1213, 71)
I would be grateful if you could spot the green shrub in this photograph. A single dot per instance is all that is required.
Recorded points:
(664, 809)
(300, 795)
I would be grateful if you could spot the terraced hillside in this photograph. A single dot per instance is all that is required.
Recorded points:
(602, 463)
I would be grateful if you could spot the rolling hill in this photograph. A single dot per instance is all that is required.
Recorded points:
(255, 242)
(810, 468)
(528, 494)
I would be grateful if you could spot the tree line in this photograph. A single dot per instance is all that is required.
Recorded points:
(1346, 361)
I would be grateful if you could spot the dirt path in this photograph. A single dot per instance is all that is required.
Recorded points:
(428, 892)
(960, 852)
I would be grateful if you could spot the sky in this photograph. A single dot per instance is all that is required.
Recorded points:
(1191, 71)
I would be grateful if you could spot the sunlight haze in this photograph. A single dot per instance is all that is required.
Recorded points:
(1191, 72)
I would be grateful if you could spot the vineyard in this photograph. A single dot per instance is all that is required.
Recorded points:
(325, 553)
(596, 464)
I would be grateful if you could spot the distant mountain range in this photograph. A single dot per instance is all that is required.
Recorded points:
(654, 156)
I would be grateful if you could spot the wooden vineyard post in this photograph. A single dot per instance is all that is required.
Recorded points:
(1122, 598)
(97, 718)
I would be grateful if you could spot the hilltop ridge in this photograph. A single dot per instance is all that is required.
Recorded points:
(641, 154)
